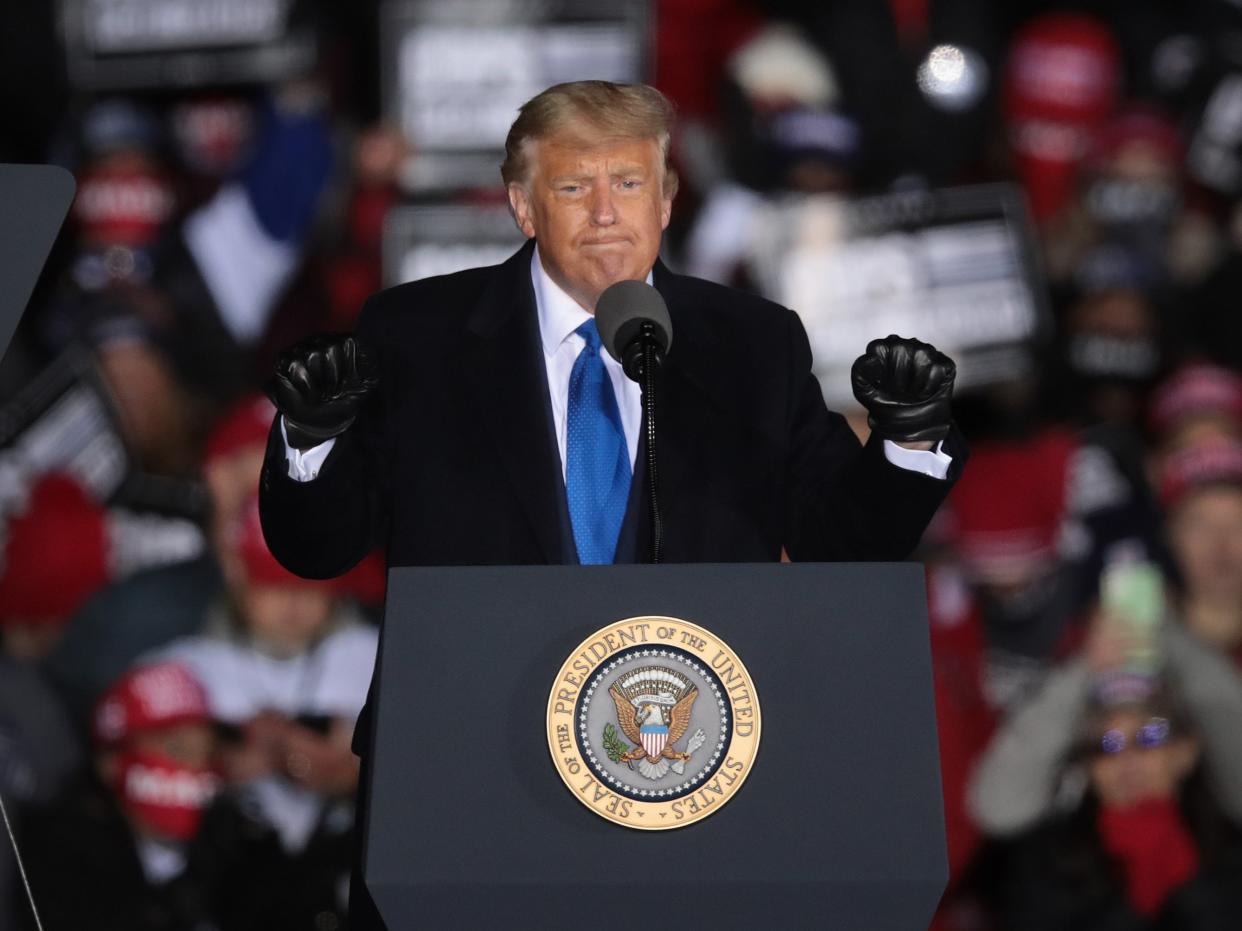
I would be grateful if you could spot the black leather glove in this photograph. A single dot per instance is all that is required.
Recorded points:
(321, 383)
(906, 386)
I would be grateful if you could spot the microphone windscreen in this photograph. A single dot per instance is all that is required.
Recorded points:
(623, 308)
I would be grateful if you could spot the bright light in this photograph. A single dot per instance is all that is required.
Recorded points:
(952, 78)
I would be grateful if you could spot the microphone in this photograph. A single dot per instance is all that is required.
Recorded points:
(635, 328)
(632, 317)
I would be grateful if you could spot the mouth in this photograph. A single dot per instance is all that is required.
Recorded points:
(605, 242)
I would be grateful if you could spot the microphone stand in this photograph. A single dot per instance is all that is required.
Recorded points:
(21, 867)
(650, 360)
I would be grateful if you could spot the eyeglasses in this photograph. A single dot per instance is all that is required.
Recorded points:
(1155, 733)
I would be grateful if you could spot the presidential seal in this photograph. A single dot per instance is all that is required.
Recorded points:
(653, 722)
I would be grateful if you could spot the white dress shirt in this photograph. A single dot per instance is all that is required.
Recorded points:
(559, 315)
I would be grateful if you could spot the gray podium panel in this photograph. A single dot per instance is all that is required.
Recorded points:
(36, 199)
(839, 824)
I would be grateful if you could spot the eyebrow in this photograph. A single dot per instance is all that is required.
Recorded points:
(623, 171)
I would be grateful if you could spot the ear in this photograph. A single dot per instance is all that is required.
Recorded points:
(520, 205)
(668, 190)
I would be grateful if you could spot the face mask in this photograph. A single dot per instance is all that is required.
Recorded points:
(1132, 204)
(163, 793)
(1027, 622)
(1097, 355)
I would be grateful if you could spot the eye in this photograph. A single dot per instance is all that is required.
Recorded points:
(631, 184)
(570, 188)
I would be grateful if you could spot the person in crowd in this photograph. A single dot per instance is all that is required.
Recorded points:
(1145, 848)
(1062, 80)
(1128, 191)
(1112, 346)
(61, 548)
(350, 268)
(112, 855)
(212, 133)
(1197, 402)
(786, 132)
(127, 196)
(247, 241)
(1202, 490)
(1006, 523)
(56, 555)
(149, 609)
(173, 303)
(1016, 780)
(285, 664)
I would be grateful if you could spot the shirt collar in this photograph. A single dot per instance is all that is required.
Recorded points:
(559, 314)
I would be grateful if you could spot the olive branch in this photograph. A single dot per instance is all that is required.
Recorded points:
(614, 746)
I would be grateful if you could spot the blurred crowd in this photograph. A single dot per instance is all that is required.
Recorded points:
(176, 709)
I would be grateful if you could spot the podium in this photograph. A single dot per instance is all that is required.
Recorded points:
(36, 199)
(839, 824)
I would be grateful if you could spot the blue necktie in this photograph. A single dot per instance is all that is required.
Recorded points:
(597, 462)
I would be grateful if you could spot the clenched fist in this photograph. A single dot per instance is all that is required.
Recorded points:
(906, 386)
(321, 383)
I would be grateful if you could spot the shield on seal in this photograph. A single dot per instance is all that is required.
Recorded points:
(654, 737)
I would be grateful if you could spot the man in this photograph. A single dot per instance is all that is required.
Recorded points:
(454, 429)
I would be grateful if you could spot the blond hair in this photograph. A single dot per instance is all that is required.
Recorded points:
(616, 111)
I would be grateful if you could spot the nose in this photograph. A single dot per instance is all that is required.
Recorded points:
(602, 211)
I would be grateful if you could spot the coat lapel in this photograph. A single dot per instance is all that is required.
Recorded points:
(503, 362)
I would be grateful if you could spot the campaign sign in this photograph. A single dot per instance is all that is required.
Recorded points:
(421, 240)
(953, 267)
(62, 421)
(158, 44)
(454, 72)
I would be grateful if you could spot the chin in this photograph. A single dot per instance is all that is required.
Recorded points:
(604, 273)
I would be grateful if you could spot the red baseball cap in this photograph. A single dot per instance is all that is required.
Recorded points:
(1009, 507)
(55, 553)
(148, 698)
(1196, 390)
(1206, 464)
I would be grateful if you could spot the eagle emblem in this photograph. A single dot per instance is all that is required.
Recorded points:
(654, 705)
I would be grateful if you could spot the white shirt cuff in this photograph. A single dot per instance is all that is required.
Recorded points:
(932, 462)
(304, 464)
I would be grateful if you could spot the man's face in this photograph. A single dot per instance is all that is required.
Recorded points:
(598, 211)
